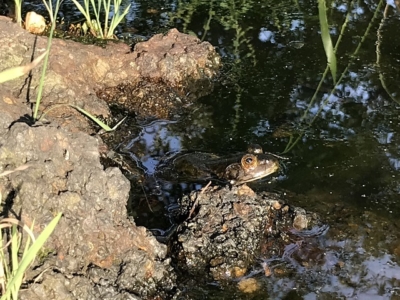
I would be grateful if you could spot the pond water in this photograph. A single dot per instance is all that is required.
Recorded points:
(346, 159)
(345, 163)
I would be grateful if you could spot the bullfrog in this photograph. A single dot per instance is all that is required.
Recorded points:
(235, 169)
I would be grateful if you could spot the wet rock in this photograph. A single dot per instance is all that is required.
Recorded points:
(248, 285)
(228, 230)
(176, 67)
(94, 241)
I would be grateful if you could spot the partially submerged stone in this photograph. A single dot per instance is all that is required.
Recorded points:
(230, 231)
(175, 69)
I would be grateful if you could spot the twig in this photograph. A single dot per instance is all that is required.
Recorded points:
(197, 200)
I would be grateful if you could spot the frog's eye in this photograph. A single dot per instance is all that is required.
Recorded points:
(249, 161)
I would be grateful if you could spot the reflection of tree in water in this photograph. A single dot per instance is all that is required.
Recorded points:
(231, 15)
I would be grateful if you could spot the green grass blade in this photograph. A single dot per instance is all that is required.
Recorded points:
(49, 7)
(16, 72)
(100, 123)
(30, 256)
(15, 241)
(4, 271)
(117, 18)
(93, 118)
(119, 123)
(106, 16)
(14, 246)
(96, 30)
(46, 60)
(84, 11)
(326, 38)
(18, 11)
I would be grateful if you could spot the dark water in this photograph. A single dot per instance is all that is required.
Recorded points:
(345, 165)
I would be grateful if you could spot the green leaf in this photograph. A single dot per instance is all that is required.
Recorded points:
(326, 38)
(16, 72)
(100, 123)
(30, 256)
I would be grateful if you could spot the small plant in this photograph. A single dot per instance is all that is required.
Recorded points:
(98, 6)
(18, 11)
(53, 16)
(15, 259)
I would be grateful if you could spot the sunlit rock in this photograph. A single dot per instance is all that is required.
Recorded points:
(35, 23)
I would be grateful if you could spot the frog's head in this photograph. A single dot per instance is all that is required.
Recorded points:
(251, 167)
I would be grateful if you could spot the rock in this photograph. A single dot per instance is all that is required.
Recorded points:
(175, 69)
(35, 23)
(161, 75)
(248, 285)
(94, 239)
(231, 230)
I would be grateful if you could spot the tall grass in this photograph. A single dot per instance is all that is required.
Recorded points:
(18, 11)
(53, 15)
(102, 7)
(101, 29)
(16, 258)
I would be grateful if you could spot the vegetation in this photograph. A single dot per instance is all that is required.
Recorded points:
(16, 72)
(14, 257)
(18, 11)
(330, 52)
(53, 15)
(104, 30)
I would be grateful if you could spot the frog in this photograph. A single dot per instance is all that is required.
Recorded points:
(235, 169)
